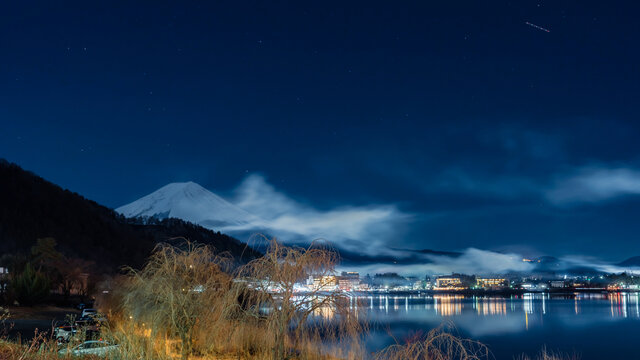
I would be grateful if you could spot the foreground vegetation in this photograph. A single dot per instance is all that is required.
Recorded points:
(188, 302)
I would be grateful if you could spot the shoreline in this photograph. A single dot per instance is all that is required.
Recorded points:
(503, 292)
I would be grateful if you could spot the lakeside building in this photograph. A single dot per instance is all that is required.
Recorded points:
(325, 283)
(349, 281)
(449, 283)
(534, 286)
(492, 283)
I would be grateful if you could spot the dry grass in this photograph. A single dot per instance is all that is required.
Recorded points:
(439, 344)
(39, 348)
(294, 320)
(184, 303)
(180, 290)
(546, 354)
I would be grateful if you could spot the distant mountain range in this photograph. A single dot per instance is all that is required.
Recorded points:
(32, 208)
(631, 262)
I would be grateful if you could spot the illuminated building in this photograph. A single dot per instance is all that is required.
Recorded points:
(349, 281)
(449, 283)
(492, 283)
(325, 283)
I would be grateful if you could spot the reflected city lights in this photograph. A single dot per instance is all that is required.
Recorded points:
(492, 306)
(447, 305)
(528, 303)
(618, 305)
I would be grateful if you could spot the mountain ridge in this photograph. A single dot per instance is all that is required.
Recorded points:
(633, 261)
(32, 207)
(190, 202)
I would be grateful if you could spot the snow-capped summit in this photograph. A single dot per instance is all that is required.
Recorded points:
(191, 202)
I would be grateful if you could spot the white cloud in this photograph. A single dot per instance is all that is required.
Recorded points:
(595, 184)
(472, 261)
(476, 261)
(366, 227)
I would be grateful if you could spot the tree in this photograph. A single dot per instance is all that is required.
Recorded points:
(72, 273)
(44, 253)
(273, 279)
(177, 288)
(31, 286)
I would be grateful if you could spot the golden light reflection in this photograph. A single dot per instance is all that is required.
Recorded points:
(326, 312)
(448, 305)
(486, 307)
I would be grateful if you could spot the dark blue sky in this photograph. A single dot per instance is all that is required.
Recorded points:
(489, 132)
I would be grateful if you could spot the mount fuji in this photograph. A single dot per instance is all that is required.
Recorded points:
(258, 208)
(190, 202)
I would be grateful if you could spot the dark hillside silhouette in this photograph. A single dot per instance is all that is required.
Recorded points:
(32, 208)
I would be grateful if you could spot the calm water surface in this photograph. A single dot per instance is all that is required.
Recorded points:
(592, 326)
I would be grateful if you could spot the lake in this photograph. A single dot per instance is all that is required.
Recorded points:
(590, 325)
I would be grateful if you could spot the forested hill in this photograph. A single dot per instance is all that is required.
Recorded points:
(32, 208)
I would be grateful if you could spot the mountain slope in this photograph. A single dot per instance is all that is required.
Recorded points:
(191, 202)
(31, 208)
(631, 262)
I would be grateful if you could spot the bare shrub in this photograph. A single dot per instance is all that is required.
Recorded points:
(178, 289)
(438, 344)
(266, 289)
(546, 354)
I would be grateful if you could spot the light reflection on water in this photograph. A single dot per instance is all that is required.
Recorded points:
(445, 305)
(586, 323)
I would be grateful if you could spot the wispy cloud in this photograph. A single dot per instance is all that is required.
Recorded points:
(581, 261)
(456, 179)
(366, 228)
(476, 261)
(594, 184)
(471, 261)
(587, 184)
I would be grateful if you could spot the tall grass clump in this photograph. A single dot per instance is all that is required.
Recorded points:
(177, 291)
(40, 347)
(438, 344)
(546, 354)
(187, 301)
(299, 324)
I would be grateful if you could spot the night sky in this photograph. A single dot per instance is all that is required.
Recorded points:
(478, 129)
